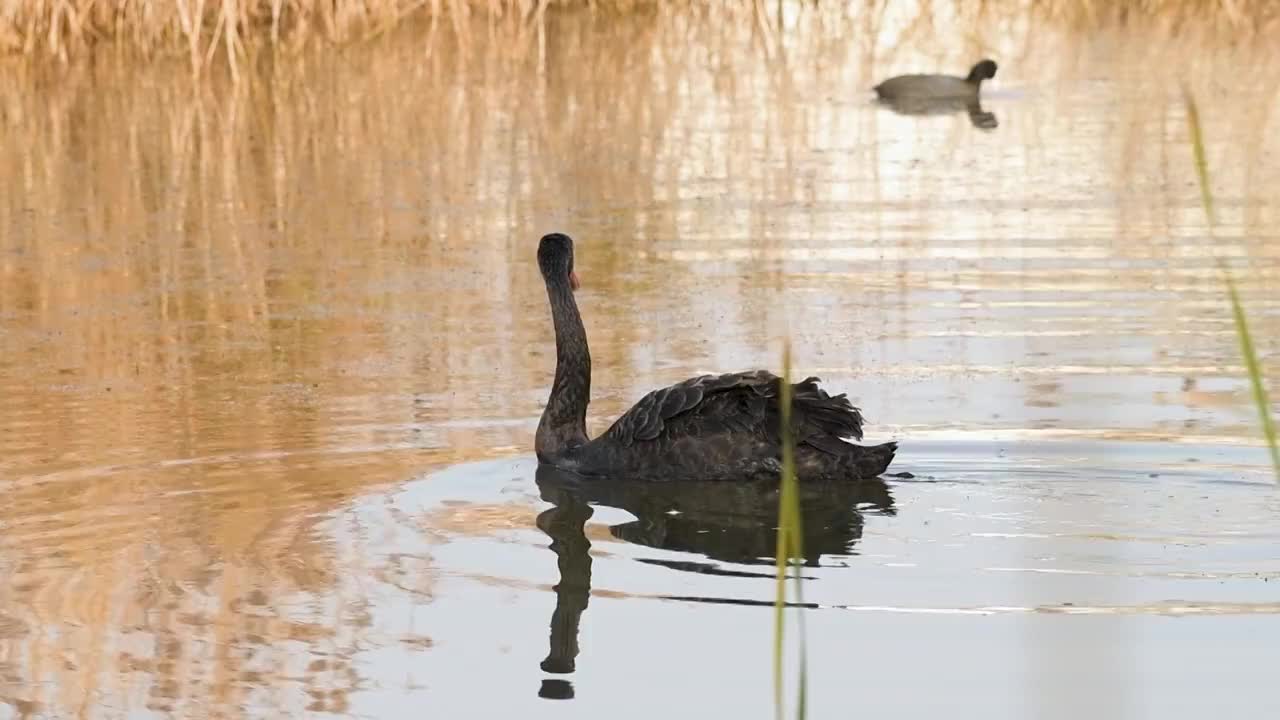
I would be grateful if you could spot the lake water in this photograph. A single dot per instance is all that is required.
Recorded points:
(272, 355)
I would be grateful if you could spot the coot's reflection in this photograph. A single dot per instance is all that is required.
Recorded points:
(979, 117)
(727, 522)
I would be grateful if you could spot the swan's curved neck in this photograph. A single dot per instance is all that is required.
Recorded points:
(564, 421)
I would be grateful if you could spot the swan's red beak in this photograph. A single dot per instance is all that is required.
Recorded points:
(573, 280)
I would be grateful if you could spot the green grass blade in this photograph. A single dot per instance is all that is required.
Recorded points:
(1247, 350)
(1199, 157)
(802, 699)
(779, 623)
(1260, 398)
(789, 546)
(779, 619)
(783, 545)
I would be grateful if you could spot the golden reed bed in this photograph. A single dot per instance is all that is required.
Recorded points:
(208, 31)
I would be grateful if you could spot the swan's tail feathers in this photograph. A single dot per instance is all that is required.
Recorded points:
(818, 413)
(874, 460)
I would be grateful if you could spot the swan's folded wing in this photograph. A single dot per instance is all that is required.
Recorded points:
(646, 419)
(743, 403)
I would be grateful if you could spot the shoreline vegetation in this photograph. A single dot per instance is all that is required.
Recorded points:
(205, 33)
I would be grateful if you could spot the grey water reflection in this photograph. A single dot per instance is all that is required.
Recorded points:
(725, 522)
(925, 106)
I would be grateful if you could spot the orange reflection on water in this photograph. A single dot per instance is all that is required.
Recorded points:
(227, 314)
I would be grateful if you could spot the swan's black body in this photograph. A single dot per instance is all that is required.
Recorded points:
(937, 87)
(713, 427)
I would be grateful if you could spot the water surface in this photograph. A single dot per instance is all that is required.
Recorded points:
(271, 357)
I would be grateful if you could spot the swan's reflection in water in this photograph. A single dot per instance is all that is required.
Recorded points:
(728, 522)
(980, 118)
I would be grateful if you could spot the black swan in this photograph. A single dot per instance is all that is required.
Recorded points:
(712, 427)
(937, 86)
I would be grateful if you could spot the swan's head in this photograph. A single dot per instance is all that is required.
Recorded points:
(984, 70)
(555, 259)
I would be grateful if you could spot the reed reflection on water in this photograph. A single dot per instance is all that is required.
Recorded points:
(230, 314)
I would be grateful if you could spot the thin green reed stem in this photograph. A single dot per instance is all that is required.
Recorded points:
(789, 545)
(779, 604)
(1202, 165)
(783, 546)
(802, 698)
(1260, 399)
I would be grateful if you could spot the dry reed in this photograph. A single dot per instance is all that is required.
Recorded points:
(202, 30)
(206, 31)
(1232, 16)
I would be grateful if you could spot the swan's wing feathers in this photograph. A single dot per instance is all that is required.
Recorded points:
(745, 403)
(641, 421)
(647, 418)
(659, 406)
